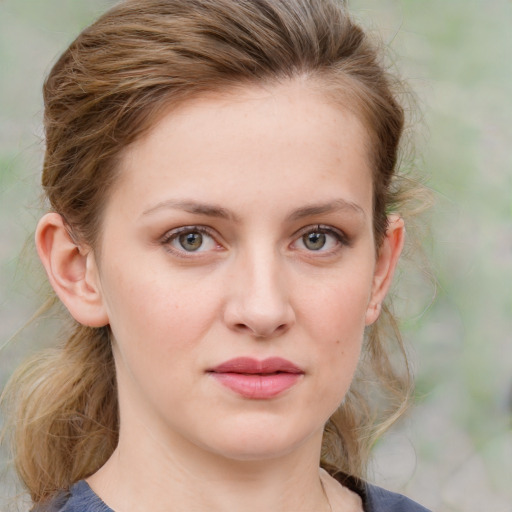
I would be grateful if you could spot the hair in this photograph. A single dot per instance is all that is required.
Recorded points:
(107, 89)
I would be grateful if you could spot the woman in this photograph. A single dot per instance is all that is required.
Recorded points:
(221, 178)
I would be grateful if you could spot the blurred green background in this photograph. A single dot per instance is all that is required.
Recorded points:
(453, 452)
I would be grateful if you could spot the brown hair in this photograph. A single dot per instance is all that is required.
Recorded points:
(104, 92)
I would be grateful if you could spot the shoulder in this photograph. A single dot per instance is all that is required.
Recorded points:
(380, 500)
(80, 498)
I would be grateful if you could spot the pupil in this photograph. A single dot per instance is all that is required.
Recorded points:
(191, 241)
(314, 241)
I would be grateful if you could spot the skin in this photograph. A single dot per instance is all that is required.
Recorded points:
(254, 173)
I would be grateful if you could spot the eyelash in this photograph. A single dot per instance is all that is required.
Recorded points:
(340, 237)
(172, 235)
(169, 237)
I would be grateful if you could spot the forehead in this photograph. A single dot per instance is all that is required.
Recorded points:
(281, 141)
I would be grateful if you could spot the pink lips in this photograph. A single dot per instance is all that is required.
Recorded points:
(255, 379)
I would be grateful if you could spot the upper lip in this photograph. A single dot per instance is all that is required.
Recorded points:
(249, 365)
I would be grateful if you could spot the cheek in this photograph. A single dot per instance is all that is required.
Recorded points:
(165, 314)
(336, 310)
(336, 323)
(158, 332)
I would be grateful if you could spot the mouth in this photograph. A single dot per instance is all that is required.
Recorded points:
(254, 379)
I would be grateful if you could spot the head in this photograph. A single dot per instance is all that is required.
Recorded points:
(127, 79)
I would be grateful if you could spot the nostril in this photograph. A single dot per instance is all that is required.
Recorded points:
(270, 333)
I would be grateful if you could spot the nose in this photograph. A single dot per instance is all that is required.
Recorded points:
(259, 302)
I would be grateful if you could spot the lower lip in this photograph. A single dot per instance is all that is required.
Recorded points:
(257, 386)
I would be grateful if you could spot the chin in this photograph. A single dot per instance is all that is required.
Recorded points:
(263, 441)
(256, 451)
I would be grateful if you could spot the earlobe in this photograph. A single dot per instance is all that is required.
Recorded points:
(71, 270)
(389, 254)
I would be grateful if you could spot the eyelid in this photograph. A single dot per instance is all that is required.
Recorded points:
(340, 236)
(172, 234)
(322, 228)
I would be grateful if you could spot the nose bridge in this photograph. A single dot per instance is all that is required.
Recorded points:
(263, 278)
(260, 303)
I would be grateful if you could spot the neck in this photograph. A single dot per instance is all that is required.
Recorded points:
(180, 476)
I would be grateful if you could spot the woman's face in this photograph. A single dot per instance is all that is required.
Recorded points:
(240, 227)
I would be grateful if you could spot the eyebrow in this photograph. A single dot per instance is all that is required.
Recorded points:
(212, 210)
(337, 205)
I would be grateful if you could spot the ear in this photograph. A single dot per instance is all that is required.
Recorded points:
(389, 254)
(72, 271)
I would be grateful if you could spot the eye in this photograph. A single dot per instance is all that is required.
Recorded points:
(320, 239)
(190, 239)
(314, 241)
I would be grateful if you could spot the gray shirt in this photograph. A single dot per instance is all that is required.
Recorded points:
(81, 498)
